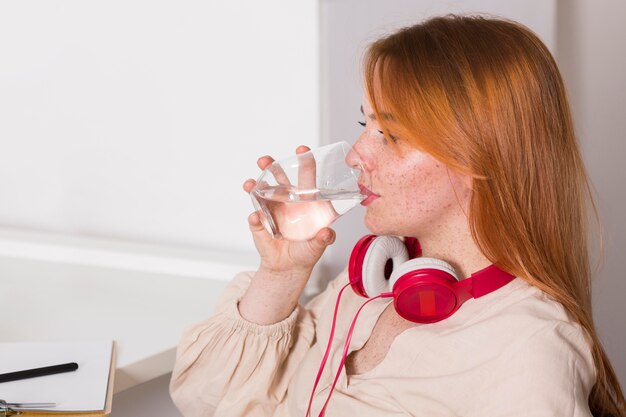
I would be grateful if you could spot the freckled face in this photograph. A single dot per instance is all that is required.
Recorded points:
(410, 192)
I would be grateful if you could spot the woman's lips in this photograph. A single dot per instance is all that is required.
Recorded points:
(369, 195)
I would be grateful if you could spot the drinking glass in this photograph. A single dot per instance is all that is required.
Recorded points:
(297, 196)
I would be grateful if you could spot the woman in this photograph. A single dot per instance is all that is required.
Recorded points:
(468, 145)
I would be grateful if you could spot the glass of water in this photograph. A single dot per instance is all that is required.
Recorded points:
(297, 196)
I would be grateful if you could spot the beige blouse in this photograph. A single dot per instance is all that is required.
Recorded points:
(514, 352)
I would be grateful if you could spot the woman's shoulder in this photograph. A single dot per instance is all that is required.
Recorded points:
(521, 304)
(530, 328)
(531, 345)
(518, 318)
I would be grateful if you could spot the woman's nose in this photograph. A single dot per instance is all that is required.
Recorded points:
(353, 159)
(360, 155)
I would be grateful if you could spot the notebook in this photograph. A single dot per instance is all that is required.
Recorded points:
(86, 391)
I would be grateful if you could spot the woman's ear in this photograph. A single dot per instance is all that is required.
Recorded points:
(468, 181)
(462, 185)
(460, 180)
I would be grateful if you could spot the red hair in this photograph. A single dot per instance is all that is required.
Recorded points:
(485, 97)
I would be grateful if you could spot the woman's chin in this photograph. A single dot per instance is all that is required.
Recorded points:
(375, 226)
(378, 226)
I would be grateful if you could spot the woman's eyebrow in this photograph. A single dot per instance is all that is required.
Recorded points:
(385, 116)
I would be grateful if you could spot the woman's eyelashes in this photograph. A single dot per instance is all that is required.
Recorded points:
(393, 138)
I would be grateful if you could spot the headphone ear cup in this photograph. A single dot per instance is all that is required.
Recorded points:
(417, 264)
(422, 290)
(381, 250)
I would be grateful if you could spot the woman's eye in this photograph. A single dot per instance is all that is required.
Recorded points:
(392, 137)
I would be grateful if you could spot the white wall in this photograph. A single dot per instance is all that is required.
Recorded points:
(127, 128)
(139, 120)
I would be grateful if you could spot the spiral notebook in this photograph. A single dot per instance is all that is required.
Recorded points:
(86, 391)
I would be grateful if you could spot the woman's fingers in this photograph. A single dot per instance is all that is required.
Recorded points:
(306, 173)
(302, 149)
(265, 162)
(254, 222)
(323, 238)
(248, 185)
(306, 170)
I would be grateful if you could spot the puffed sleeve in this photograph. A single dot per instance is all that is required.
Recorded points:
(549, 373)
(227, 366)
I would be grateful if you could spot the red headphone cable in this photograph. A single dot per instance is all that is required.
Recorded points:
(346, 347)
(330, 341)
(345, 350)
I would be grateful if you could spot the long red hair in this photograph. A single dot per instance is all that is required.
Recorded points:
(485, 97)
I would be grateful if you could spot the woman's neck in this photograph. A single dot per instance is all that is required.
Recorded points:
(455, 245)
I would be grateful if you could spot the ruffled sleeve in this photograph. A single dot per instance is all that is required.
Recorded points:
(227, 366)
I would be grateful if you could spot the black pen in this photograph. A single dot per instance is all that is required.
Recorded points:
(36, 372)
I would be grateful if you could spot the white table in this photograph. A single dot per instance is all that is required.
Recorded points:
(143, 311)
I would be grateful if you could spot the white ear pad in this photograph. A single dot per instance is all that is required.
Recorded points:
(379, 252)
(421, 263)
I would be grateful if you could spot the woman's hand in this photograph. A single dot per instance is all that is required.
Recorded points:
(285, 265)
(283, 255)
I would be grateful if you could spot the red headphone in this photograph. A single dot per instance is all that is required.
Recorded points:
(424, 290)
